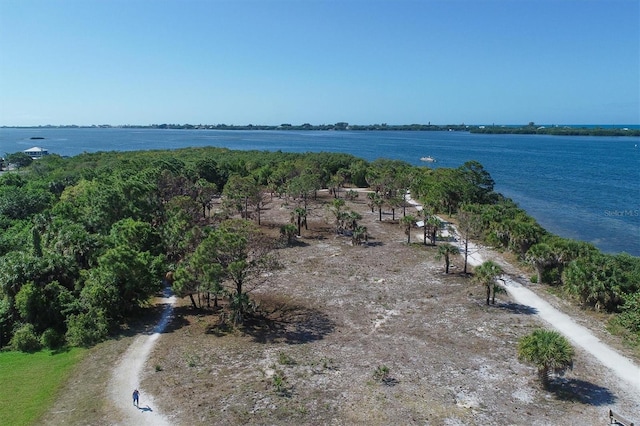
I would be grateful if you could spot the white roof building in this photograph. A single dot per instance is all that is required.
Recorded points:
(36, 152)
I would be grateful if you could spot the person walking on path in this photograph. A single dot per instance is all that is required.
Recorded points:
(136, 397)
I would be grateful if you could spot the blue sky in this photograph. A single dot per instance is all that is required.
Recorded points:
(319, 61)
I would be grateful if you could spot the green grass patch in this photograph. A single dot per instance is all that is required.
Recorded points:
(29, 383)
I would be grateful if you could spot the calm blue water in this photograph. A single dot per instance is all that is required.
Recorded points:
(585, 188)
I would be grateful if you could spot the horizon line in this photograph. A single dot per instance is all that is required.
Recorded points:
(344, 125)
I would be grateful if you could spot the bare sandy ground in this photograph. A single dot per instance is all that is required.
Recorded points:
(128, 371)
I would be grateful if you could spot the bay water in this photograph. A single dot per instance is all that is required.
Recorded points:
(580, 187)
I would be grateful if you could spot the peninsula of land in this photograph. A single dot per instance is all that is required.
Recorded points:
(530, 129)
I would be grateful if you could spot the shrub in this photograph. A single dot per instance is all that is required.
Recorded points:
(288, 232)
(629, 317)
(25, 339)
(280, 384)
(51, 339)
(87, 328)
(381, 373)
(351, 195)
(285, 359)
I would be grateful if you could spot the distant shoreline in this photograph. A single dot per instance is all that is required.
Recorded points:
(529, 129)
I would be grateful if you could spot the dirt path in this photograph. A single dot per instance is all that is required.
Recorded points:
(580, 336)
(623, 367)
(126, 376)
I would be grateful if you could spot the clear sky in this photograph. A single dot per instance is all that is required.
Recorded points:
(319, 61)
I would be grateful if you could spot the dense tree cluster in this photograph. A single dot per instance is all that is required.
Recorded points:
(85, 241)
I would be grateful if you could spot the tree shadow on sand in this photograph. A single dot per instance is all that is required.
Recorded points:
(576, 390)
(373, 243)
(146, 321)
(517, 308)
(178, 318)
(287, 322)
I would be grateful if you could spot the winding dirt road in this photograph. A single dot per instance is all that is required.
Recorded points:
(126, 376)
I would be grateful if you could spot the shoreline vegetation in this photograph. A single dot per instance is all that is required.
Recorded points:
(530, 129)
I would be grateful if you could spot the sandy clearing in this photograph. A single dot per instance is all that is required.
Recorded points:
(126, 376)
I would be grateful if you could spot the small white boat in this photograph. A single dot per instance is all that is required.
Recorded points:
(428, 159)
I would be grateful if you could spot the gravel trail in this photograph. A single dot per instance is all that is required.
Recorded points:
(126, 376)
(623, 367)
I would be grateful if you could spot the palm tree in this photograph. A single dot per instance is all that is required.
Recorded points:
(371, 197)
(379, 202)
(393, 203)
(549, 351)
(486, 275)
(540, 256)
(301, 216)
(351, 219)
(446, 251)
(336, 209)
(407, 223)
(359, 235)
(288, 231)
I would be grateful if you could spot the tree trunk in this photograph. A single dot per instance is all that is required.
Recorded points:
(446, 264)
(488, 294)
(380, 214)
(543, 374)
(193, 301)
(466, 254)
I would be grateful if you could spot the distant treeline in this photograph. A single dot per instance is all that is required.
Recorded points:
(554, 130)
(284, 126)
(530, 129)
